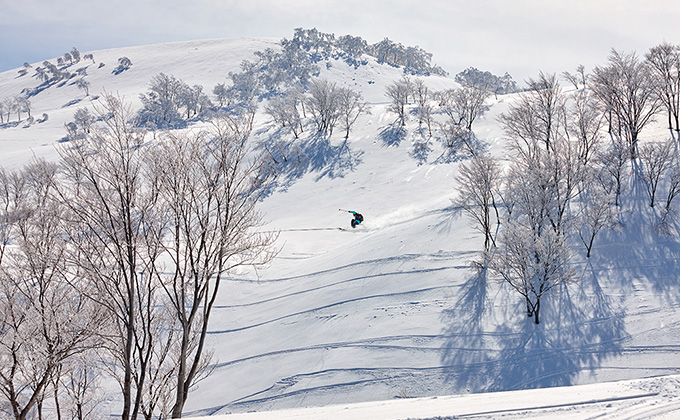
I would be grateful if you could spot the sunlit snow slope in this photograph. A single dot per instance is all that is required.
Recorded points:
(391, 309)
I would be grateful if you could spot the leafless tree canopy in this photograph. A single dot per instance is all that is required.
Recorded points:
(664, 64)
(118, 255)
(626, 88)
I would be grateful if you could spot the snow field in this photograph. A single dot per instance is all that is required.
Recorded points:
(358, 322)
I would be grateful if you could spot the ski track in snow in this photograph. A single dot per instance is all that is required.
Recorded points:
(343, 282)
(396, 258)
(385, 296)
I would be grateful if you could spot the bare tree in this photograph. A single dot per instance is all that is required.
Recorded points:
(627, 90)
(210, 184)
(284, 111)
(323, 105)
(75, 54)
(163, 102)
(277, 109)
(45, 320)
(664, 62)
(533, 253)
(153, 233)
(81, 381)
(83, 85)
(41, 74)
(457, 138)
(655, 159)
(594, 215)
(158, 392)
(538, 119)
(350, 106)
(477, 184)
(221, 92)
(84, 120)
(673, 184)
(614, 169)
(195, 102)
(17, 106)
(398, 92)
(538, 132)
(112, 217)
(9, 107)
(21, 104)
(421, 92)
(464, 105)
(532, 264)
(425, 109)
(585, 124)
(578, 79)
(211, 233)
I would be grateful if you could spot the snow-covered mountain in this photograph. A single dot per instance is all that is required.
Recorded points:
(394, 309)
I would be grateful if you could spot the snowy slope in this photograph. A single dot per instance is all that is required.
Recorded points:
(393, 309)
(206, 63)
(655, 398)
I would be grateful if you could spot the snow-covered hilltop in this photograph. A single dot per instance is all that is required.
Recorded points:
(399, 307)
(205, 63)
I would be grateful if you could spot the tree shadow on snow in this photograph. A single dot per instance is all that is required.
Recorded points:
(447, 217)
(451, 155)
(581, 328)
(421, 146)
(72, 102)
(465, 353)
(393, 134)
(316, 153)
(10, 124)
(642, 254)
(459, 152)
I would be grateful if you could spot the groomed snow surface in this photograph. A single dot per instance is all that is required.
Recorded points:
(656, 398)
(386, 320)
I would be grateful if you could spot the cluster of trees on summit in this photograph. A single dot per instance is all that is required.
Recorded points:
(286, 74)
(50, 74)
(171, 103)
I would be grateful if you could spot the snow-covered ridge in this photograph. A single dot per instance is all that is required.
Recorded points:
(205, 63)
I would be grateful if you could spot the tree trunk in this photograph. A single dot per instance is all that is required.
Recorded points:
(537, 307)
(180, 396)
(530, 311)
(127, 380)
(57, 407)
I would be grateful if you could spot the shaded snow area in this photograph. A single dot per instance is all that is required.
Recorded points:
(391, 320)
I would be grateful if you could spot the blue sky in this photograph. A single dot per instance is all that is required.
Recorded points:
(517, 36)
